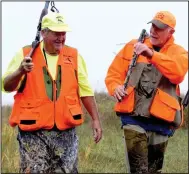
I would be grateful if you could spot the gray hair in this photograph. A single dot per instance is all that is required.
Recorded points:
(45, 30)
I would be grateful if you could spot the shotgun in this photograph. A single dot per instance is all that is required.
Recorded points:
(132, 64)
(134, 59)
(185, 100)
(36, 42)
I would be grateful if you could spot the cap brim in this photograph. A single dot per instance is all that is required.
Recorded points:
(60, 28)
(158, 24)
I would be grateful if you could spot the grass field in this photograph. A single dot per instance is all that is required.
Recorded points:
(108, 155)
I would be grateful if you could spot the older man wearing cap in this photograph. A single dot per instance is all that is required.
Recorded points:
(47, 105)
(149, 108)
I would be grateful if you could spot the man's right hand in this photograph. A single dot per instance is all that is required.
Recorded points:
(26, 65)
(12, 80)
(119, 93)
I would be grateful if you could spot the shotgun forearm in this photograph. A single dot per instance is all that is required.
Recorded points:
(186, 99)
(134, 59)
(35, 43)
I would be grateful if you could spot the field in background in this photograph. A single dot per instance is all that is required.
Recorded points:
(108, 155)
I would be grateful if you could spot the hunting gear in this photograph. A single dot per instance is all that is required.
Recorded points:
(186, 100)
(36, 42)
(149, 104)
(51, 81)
(134, 59)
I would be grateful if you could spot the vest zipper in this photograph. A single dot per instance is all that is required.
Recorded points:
(54, 97)
(54, 91)
(54, 88)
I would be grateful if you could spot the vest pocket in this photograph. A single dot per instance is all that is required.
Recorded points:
(164, 106)
(76, 113)
(74, 117)
(29, 115)
(28, 120)
(127, 104)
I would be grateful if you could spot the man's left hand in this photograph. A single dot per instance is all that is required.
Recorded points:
(97, 130)
(143, 49)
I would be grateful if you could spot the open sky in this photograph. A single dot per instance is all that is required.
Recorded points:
(99, 30)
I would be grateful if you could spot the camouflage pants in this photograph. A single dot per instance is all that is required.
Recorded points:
(48, 151)
(145, 150)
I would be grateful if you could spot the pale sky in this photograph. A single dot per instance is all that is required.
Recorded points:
(97, 30)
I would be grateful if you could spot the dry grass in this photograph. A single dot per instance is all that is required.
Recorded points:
(108, 155)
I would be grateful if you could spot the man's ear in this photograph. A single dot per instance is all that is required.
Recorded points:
(172, 31)
(43, 33)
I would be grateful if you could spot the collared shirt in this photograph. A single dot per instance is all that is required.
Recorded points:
(85, 88)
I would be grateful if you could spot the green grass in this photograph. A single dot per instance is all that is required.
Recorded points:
(105, 157)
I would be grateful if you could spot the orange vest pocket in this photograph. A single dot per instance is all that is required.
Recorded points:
(34, 114)
(164, 106)
(29, 114)
(74, 117)
(127, 104)
(29, 120)
(76, 113)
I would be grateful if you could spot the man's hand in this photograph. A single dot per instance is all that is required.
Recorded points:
(26, 65)
(97, 130)
(143, 49)
(119, 93)
(90, 104)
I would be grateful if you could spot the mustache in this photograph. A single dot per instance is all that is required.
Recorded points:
(58, 40)
(156, 37)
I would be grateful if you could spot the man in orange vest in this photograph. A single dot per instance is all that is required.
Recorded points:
(47, 105)
(149, 108)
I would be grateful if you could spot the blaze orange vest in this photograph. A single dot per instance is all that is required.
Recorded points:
(33, 109)
(164, 103)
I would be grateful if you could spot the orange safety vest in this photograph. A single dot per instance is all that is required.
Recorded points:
(165, 102)
(33, 109)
